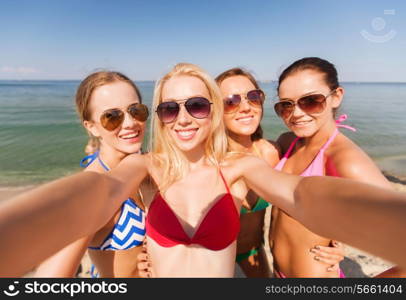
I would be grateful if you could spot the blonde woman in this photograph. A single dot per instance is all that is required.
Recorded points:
(194, 218)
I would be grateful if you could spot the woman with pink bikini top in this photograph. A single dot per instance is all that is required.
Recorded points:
(309, 95)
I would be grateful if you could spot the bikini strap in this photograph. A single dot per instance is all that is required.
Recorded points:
(103, 164)
(287, 154)
(87, 160)
(340, 119)
(330, 140)
(257, 152)
(225, 182)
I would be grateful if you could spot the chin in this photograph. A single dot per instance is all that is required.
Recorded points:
(130, 149)
(303, 132)
(186, 147)
(242, 131)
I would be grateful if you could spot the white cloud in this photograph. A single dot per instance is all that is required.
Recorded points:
(18, 70)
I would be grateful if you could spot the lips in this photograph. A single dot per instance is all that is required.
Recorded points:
(245, 119)
(131, 137)
(186, 134)
(300, 123)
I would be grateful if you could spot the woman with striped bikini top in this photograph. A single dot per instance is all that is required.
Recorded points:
(129, 230)
(110, 108)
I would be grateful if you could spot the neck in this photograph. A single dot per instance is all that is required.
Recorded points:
(195, 158)
(240, 143)
(111, 156)
(321, 136)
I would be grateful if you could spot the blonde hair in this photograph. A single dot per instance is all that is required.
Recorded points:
(165, 153)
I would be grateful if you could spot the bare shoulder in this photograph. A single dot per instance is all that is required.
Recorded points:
(285, 140)
(350, 161)
(269, 150)
(94, 167)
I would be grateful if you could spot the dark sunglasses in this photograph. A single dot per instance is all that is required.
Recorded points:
(311, 104)
(113, 118)
(255, 98)
(197, 107)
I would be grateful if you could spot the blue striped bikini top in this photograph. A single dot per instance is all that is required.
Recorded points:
(129, 231)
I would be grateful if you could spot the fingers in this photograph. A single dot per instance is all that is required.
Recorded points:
(144, 274)
(337, 245)
(142, 256)
(328, 255)
(327, 261)
(333, 268)
(144, 269)
(331, 250)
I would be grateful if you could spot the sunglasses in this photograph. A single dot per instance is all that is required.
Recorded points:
(197, 107)
(113, 118)
(311, 104)
(255, 98)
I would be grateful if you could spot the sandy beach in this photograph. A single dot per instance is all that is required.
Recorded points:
(357, 263)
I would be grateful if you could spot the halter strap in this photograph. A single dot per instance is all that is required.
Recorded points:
(287, 154)
(225, 183)
(341, 119)
(87, 160)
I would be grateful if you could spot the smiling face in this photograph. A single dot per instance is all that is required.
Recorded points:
(126, 138)
(188, 133)
(302, 83)
(245, 120)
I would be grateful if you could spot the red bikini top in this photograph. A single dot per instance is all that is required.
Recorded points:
(218, 229)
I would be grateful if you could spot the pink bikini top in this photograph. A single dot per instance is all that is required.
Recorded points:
(316, 167)
(217, 230)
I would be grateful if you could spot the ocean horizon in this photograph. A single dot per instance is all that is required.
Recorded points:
(41, 137)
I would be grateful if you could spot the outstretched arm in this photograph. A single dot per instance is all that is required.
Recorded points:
(365, 216)
(36, 224)
(64, 263)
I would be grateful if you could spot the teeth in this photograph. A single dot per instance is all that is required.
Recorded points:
(186, 133)
(301, 123)
(131, 136)
(245, 118)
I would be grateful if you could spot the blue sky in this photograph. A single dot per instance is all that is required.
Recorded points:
(69, 39)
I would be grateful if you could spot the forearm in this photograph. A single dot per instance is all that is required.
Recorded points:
(365, 216)
(273, 186)
(38, 223)
(65, 262)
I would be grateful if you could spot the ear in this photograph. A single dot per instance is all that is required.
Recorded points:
(92, 128)
(338, 97)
